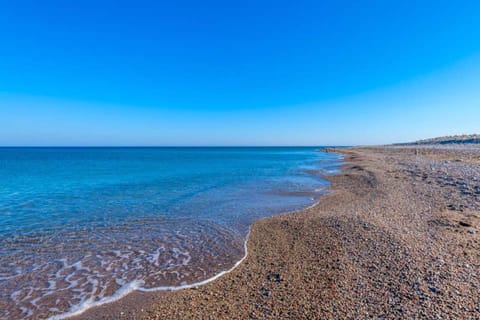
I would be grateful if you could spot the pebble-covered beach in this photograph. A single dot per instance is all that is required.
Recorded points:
(398, 237)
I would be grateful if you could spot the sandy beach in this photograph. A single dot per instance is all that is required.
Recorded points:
(397, 237)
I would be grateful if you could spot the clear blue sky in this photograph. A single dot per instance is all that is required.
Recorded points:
(237, 72)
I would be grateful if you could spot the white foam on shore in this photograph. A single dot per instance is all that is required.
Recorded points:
(87, 304)
(137, 286)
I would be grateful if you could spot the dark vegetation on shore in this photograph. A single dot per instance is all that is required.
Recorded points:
(457, 139)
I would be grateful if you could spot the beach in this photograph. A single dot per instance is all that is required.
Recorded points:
(398, 236)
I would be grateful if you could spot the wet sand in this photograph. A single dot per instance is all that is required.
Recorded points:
(398, 237)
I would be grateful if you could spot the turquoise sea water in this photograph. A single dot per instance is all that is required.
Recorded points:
(82, 226)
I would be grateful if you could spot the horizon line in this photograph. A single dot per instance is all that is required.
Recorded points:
(181, 146)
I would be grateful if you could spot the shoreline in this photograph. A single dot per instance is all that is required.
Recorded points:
(133, 287)
(103, 306)
(319, 262)
(77, 314)
(183, 244)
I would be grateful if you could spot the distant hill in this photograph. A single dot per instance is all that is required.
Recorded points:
(459, 139)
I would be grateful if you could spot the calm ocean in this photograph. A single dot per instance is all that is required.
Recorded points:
(83, 226)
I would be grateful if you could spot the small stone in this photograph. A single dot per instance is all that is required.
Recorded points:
(265, 293)
(274, 277)
(464, 224)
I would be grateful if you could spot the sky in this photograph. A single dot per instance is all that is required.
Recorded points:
(217, 73)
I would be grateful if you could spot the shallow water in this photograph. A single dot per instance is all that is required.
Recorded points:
(79, 226)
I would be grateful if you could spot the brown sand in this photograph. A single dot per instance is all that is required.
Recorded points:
(399, 237)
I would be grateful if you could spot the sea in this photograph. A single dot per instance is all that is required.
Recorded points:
(80, 227)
